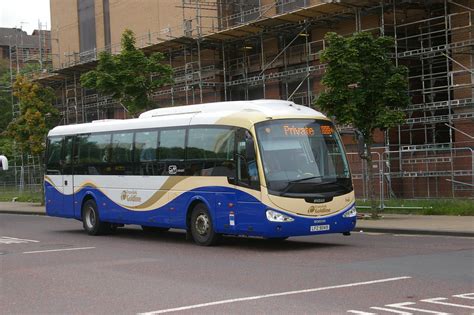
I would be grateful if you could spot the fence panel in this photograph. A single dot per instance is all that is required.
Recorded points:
(415, 174)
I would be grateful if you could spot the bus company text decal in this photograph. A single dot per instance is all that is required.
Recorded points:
(130, 196)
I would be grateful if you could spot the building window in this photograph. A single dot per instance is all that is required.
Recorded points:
(87, 33)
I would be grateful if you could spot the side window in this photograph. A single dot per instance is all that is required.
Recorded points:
(171, 151)
(211, 151)
(146, 153)
(53, 156)
(247, 171)
(94, 153)
(122, 150)
(99, 146)
(79, 155)
(67, 155)
(122, 147)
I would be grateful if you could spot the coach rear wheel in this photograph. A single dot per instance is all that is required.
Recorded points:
(202, 229)
(91, 221)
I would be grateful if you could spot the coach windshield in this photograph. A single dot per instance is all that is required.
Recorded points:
(303, 157)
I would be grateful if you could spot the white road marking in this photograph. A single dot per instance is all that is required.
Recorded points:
(258, 297)
(404, 304)
(57, 250)
(469, 296)
(14, 240)
(391, 311)
(360, 312)
(437, 301)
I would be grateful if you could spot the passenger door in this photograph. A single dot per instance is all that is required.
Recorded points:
(53, 177)
(67, 177)
(248, 212)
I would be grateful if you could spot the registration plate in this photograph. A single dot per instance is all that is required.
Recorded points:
(317, 228)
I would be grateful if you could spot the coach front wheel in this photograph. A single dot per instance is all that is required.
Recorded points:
(91, 221)
(202, 229)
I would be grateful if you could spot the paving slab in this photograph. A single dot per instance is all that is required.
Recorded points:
(22, 208)
(419, 224)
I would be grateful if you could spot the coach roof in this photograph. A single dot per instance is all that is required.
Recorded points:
(236, 113)
(267, 107)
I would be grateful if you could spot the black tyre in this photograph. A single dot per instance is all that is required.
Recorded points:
(91, 221)
(154, 229)
(202, 229)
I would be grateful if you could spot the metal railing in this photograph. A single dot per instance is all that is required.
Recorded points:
(428, 173)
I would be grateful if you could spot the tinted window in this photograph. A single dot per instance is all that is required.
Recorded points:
(172, 144)
(122, 147)
(67, 155)
(122, 154)
(146, 153)
(210, 151)
(54, 155)
(171, 151)
(146, 145)
(93, 154)
(247, 171)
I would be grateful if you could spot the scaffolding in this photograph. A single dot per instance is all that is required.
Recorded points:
(233, 50)
(27, 54)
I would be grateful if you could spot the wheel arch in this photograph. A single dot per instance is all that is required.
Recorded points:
(88, 196)
(192, 203)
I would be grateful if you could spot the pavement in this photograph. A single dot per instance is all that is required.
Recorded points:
(389, 223)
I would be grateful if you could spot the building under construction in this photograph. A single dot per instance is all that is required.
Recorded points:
(31, 55)
(241, 50)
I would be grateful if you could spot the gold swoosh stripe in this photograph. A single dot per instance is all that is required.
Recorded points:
(86, 184)
(150, 203)
(155, 198)
(167, 185)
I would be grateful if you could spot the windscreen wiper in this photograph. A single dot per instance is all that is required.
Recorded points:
(303, 179)
(295, 181)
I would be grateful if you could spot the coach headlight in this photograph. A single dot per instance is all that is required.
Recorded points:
(275, 216)
(352, 212)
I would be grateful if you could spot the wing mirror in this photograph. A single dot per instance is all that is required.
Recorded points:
(249, 149)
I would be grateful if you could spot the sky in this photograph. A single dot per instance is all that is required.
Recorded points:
(14, 12)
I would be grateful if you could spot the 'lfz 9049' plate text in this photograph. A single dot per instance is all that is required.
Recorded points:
(317, 228)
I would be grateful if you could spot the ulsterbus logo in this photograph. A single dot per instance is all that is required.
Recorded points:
(130, 196)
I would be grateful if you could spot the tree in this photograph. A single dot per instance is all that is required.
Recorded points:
(5, 108)
(5, 96)
(364, 88)
(37, 116)
(130, 76)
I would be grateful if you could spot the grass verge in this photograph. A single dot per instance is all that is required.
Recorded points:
(463, 207)
(26, 196)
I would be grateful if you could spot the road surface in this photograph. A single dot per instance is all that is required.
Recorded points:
(49, 265)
